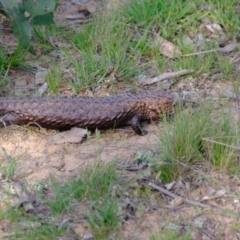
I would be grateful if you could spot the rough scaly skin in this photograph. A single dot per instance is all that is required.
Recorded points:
(109, 112)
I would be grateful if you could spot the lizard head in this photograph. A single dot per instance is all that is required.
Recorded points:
(156, 103)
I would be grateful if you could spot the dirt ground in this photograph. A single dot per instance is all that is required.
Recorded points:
(37, 158)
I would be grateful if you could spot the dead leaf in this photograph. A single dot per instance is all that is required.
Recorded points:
(80, 15)
(87, 236)
(214, 28)
(42, 89)
(131, 209)
(75, 135)
(44, 211)
(229, 47)
(73, 12)
(217, 194)
(80, 230)
(188, 186)
(28, 201)
(170, 185)
(89, 6)
(63, 223)
(176, 201)
(40, 77)
(167, 48)
(210, 191)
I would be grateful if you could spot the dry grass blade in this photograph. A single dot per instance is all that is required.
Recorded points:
(223, 144)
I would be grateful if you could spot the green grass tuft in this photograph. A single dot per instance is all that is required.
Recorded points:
(93, 183)
(7, 61)
(169, 17)
(107, 48)
(103, 218)
(183, 143)
(225, 13)
(7, 166)
(54, 78)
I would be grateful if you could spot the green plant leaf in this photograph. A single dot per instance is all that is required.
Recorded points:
(23, 31)
(4, 13)
(42, 7)
(45, 19)
(10, 7)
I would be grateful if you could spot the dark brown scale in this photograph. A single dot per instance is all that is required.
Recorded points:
(64, 113)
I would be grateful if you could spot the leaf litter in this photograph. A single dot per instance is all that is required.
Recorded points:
(37, 159)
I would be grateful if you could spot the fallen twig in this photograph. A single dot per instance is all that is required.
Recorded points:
(165, 76)
(172, 195)
(199, 53)
(194, 203)
(3, 123)
(227, 49)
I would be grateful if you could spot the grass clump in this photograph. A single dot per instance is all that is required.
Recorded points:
(103, 218)
(8, 61)
(94, 188)
(54, 78)
(121, 45)
(94, 182)
(225, 13)
(163, 15)
(3, 59)
(95, 185)
(106, 49)
(187, 141)
(36, 231)
(7, 166)
(221, 144)
(30, 228)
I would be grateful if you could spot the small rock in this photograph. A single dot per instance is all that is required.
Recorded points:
(87, 236)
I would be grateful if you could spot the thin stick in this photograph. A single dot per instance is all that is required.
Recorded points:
(2, 121)
(172, 195)
(199, 53)
(167, 75)
(194, 203)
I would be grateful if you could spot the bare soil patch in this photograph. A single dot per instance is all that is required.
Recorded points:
(37, 159)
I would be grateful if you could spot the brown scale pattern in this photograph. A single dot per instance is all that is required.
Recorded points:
(63, 113)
